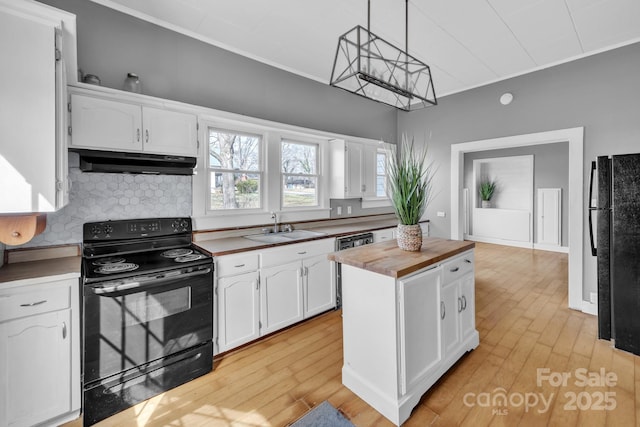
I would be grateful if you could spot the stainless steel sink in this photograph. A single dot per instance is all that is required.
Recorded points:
(284, 236)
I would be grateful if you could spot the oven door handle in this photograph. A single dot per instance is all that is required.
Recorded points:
(106, 289)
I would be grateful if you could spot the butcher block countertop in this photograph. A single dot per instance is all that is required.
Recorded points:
(386, 258)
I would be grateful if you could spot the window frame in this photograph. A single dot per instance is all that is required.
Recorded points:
(317, 175)
(385, 153)
(209, 169)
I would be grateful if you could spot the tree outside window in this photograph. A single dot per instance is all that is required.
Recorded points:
(381, 174)
(235, 170)
(299, 174)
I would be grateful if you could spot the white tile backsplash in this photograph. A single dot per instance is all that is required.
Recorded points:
(111, 196)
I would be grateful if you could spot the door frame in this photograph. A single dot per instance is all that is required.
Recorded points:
(575, 138)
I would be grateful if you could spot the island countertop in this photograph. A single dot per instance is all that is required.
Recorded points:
(386, 258)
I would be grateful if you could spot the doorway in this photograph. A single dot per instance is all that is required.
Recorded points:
(575, 138)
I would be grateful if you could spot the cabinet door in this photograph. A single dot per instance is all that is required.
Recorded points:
(419, 327)
(354, 182)
(319, 285)
(450, 305)
(35, 368)
(238, 310)
(105, 125)
(280, 296)
(467, 315)
(27, 113)
(169, 132)
(369, 172)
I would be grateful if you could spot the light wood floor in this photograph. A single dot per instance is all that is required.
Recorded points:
(524, 325)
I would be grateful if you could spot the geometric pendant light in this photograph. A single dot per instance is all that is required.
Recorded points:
(369, 66)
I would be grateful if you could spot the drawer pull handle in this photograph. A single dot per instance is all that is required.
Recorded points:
(302, 253)
(468, 261)
(442, 310)
(64, 330)
(460, 305)
(464, 302)
(239, 265)
(31, 304)
(454, 269)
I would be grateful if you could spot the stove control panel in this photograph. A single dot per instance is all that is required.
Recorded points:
(135, 228)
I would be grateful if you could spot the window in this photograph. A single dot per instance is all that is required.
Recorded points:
(299, 174)
(235, 170)
(381, 174)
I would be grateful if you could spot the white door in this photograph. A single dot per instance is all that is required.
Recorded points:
(280, 296)
(419, 327)
(35, 368)
(319, 285)
(549, 216)
(467, 313)
(450, 317)
(27, 114)
(238, 310)
(169, 132)
(105, 125)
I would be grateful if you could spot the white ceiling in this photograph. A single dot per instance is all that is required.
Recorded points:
(467, 43)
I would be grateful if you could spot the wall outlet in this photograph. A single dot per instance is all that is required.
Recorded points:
(441, 214)
(348, 210)
(339, 210)
(593, 297)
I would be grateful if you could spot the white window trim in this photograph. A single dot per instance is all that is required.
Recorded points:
(319, 184)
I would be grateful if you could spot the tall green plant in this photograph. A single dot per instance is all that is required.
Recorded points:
(410, 180)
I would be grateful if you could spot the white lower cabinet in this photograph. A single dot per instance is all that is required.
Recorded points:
(419, 327)
(260, 292)
(39, 354)
(280, 296)
(238, 310)
(422, 327)
(237, 315)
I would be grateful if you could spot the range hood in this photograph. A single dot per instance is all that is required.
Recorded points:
(139, 163)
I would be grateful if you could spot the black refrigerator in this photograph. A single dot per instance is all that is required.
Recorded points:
(618, 248)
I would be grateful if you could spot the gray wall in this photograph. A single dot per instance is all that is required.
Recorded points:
(600, 92)
(550, 170)
(177, 67)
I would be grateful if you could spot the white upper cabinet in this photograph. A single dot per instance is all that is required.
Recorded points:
(104, 124)
(114, 125)
(33, 152)
(354, 169)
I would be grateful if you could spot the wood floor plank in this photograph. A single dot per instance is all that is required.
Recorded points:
(524, 325)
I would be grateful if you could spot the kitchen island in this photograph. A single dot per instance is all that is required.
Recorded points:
(407, 318)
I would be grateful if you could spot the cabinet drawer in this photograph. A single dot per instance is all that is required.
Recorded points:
(30, 300)
(230, 265)
(296, 251)
(458, 267)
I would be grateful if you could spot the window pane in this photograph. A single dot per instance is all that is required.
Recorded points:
(380, 187)
(381, 164)
(299, 190)
(229, 150)
(235, 190)
(299, 158)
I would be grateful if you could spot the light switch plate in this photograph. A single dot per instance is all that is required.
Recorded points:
(339, 210)
(441, 214)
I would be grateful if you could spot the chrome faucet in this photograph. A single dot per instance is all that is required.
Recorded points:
(274, 217)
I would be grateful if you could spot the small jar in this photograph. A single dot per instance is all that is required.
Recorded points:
(132, 83)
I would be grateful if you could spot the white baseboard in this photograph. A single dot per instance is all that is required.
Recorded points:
(551, 248)
(526, 245)
(589, 308)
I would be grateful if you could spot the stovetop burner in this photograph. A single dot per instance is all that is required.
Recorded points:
(175, 253)
(117, 268)
(109, 260)
(189, 257)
